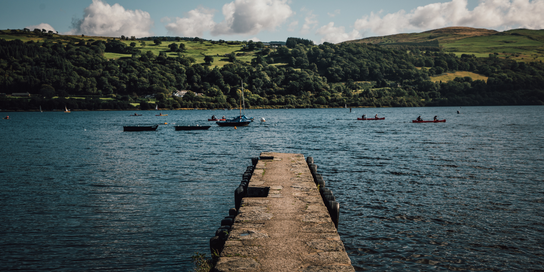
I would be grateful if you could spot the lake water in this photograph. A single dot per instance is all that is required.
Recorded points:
(78, 193)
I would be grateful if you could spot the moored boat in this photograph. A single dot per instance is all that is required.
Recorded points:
(238, 121)
(197, 127)
(140, 128)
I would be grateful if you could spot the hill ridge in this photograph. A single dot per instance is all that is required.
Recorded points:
(440, 34)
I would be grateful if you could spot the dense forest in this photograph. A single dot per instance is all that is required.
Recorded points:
(77, 75)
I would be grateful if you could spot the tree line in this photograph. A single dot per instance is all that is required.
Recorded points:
(300, 74)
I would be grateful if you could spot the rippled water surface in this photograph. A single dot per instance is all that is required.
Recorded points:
(78, 193)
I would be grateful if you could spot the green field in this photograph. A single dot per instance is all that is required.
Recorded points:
(451, 76)
(517, 47)
(195, 49)
(518, 44)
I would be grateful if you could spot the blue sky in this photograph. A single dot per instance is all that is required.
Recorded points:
(267, 20)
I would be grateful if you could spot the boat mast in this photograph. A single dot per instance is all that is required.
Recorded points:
(240, 107)
(243, 100)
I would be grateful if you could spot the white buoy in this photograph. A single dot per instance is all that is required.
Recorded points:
(262, 119)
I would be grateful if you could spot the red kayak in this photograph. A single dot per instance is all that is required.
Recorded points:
(379, 118)
(436, 121)
(215, 119)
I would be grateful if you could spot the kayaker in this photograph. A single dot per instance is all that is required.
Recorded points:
(223, 117)
(364, 116)
(436, 118)
(213, 117)
(376, 116)
(418, 118)
(7, 117)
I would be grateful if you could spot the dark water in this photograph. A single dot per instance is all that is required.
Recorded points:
(78, 193)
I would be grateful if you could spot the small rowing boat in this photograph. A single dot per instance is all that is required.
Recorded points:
(197, 127)
(432, 121)
(140, 128)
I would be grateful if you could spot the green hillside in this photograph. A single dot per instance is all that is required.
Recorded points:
(519, 44)
(194, 49)
(50, 71)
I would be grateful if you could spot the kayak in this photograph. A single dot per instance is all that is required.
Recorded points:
(217, 119)
(422, 121)
(379, 118)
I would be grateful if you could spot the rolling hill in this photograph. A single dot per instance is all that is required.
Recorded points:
(518, 44)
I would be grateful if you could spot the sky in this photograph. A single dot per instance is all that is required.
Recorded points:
(266, 20)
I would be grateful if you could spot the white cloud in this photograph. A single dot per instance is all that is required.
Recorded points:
(333, 14)
(503, 14)
(310, 22)
(292, 26)
(245, 17)
(334, 34)
(102, 19)
(389, 24)
(41, 26)
(438, 14)
(249, 17)
(195, 23)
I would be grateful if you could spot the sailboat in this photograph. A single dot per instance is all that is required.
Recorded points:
(160, 114)
(41, 109)
(66, 110)
(238, 121)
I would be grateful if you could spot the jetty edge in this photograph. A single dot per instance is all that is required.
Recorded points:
(284, 219)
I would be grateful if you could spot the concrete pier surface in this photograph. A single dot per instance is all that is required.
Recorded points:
(289, 229)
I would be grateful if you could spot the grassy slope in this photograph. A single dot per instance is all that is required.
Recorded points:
(451, 76)
(196, 50)
(519, 44)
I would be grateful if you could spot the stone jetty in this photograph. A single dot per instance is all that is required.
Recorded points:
(282, 223)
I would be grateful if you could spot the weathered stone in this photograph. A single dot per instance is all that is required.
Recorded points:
(227, 264)
(240, 251)
(247, 234)
(257, 173)
(253, 213)
(254, 202)
(315, 217)
(325, 258)
(290, 229)
(329, 268)
(327, 227)
(326, 245)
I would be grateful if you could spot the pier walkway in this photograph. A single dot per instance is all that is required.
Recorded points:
(289, 229)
